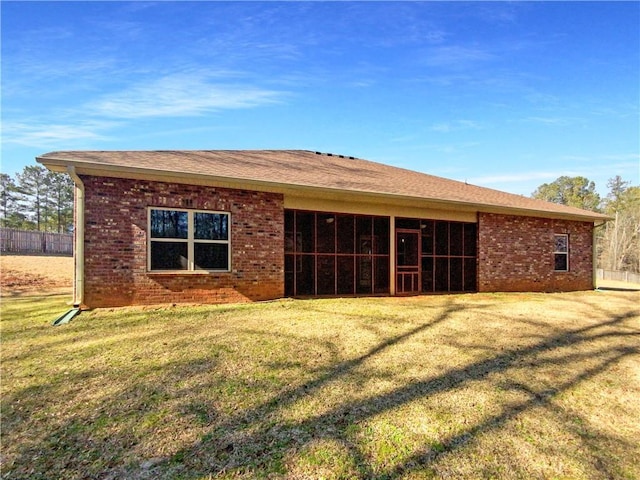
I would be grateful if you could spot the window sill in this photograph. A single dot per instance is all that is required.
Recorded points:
(187, 272)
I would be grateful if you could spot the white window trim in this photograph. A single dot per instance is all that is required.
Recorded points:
(555, 252)
(190, 241)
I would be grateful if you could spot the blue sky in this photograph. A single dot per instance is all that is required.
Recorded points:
(507, 95)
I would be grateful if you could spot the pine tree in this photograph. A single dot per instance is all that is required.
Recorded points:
(60, 195)
(8, 198)
(615, 200)
(32, 185)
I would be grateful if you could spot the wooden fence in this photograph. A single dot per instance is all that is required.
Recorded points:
(29, 241)
(629, 277)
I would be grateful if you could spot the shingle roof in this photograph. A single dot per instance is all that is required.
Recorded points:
(311, 170)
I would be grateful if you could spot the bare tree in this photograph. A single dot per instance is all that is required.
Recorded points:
(620, 243)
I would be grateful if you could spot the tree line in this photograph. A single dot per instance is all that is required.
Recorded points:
(618, 241)
(37, 199)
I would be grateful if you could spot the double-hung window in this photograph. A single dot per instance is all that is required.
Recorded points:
(561, 252)
(188, 240)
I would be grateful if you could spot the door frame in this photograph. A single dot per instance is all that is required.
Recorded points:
(408, 278)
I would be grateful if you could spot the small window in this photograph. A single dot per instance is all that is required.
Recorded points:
(561, 253)
(188, 240)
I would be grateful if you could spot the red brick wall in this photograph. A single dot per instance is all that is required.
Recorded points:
(516, 254)
(116, 244)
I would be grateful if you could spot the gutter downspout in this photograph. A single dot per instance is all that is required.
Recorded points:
(78, 290)
(594, 254)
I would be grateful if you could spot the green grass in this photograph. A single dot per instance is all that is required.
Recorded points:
(462, 386)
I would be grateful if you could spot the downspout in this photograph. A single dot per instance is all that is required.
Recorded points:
(78, 290)
(594, 254)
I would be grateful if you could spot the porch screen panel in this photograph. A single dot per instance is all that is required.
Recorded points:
(305, 233)
(326, 274)
(448, 255)
(346, 271)
(442, 238)
(455, 239)
(470, 257)
(305, 273)
(382, 274)
(426, 228)
(470, 242)
(456, 272)
(442, 274)
(427, 274)
(336, 254)
(346, 237)
(326, 233)
(470, 274)
(381, 236)
(289, 267)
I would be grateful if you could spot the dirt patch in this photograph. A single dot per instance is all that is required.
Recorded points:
(32, 274)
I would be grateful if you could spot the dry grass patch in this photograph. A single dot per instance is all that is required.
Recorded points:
(35, 274)
(479, 386)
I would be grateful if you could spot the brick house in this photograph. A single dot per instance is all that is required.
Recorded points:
(229, 226)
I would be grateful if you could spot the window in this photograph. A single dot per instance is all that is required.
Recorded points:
(188, 240)
(561, 253)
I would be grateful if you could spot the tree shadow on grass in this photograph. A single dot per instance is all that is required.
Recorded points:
(333, 425)
(544, 398)
(262, 447)
(256, 441)
(42, 453)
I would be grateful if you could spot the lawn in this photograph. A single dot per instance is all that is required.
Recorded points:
(455, 386)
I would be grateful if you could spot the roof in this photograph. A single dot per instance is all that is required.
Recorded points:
(306, 171)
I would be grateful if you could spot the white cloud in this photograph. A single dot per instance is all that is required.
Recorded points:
(181, 95)
(515, 177)
(598, 168)
(632, 157)
(456, 125)
(451, 148)
(34, 134)
(178, 95)
(457, 56)
(554, 121)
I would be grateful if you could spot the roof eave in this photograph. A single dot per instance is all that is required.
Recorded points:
(83, 168)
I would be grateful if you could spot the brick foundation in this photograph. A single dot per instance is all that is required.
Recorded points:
(116, 244)
(516, 254)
